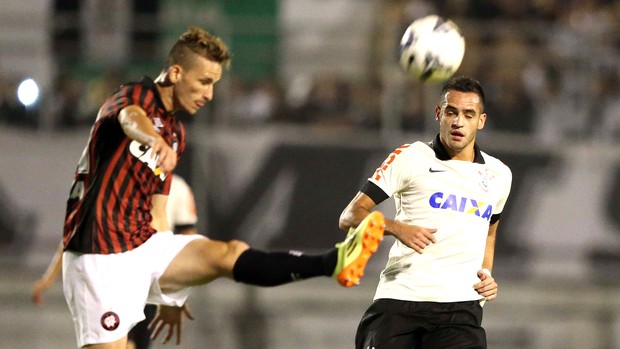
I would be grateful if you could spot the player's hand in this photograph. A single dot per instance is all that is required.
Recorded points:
(37, 291)
(416, 237)
(171, 317)
(166, 156)
(487, 287)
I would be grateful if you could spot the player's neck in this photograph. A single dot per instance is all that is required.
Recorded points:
(466, 154)
(165, 91)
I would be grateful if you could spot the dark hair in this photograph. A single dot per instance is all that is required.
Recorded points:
(464, 84)
(198, 41)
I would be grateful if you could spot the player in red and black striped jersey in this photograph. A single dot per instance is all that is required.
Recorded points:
(119, 251)
(109, 209)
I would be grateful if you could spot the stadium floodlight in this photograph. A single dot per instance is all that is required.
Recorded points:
(28, 92)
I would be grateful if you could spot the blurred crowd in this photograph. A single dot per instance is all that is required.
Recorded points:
(551, 69)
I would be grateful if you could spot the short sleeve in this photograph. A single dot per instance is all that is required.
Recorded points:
(392, 175)
(116, 102)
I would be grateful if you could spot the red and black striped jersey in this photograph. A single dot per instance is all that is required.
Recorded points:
(109, 206)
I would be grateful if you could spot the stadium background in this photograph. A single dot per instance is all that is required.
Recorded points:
(313, 102)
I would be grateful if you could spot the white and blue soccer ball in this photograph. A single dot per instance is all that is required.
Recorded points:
(432, 49)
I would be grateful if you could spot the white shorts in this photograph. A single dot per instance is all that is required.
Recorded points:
(106, 294)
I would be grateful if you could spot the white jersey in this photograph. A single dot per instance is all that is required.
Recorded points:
(181, 207)
(459, 199)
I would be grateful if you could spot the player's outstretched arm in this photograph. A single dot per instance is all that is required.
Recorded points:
(137, 126)
(356, 211)
(415, 237)
(49, 276)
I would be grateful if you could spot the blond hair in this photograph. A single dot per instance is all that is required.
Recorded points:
(200, 42)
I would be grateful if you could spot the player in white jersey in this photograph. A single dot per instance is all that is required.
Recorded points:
(449, 196)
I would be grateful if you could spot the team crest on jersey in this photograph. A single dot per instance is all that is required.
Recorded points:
(110, 321)
(485, 179)
(461, 204)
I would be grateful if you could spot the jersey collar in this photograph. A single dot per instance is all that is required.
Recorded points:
(150, 84)
(442, 154)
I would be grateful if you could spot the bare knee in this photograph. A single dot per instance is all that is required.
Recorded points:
(233, 249)
(236, 248)
(202, 261)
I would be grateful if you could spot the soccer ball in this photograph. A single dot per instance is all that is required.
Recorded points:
(432, 49)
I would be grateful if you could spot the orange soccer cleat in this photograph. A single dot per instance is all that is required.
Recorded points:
(355, 251)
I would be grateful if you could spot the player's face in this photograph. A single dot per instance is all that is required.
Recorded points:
(460, 117)
(193, 86)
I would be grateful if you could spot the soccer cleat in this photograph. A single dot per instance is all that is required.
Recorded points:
(355, 251)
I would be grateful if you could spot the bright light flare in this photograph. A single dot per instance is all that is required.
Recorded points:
(28, 92)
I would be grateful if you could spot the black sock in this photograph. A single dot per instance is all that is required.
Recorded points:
(276, 268)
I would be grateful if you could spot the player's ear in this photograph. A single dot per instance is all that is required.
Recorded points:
(437, 113)
(174, 73)
(482, 120)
